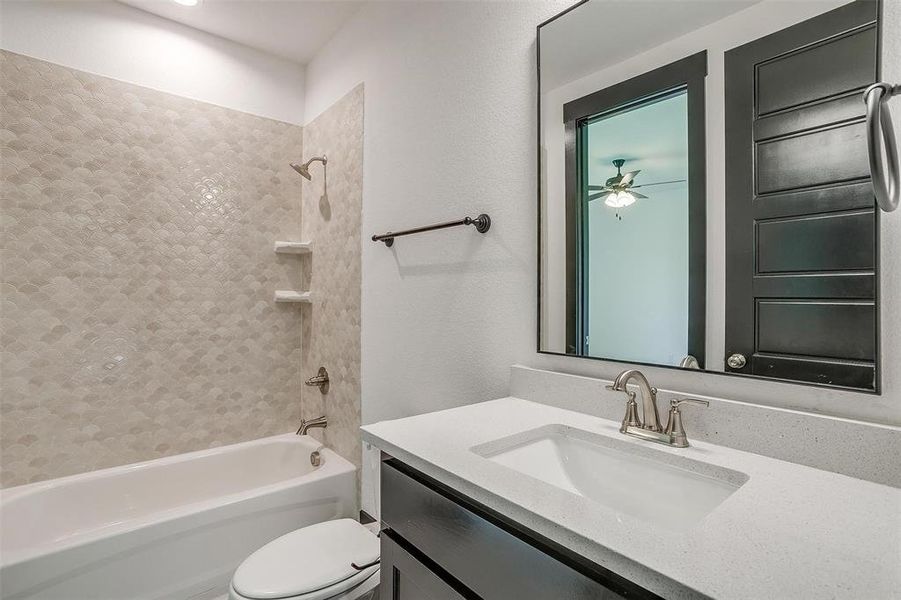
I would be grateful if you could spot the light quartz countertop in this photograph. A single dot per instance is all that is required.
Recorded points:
(790, 532)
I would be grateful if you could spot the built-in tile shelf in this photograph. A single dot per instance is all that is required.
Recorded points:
(293, 296)
(293, 247)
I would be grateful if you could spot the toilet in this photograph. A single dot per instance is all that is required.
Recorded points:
(312, 563)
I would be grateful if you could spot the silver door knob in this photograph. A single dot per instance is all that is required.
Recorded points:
(736, 361)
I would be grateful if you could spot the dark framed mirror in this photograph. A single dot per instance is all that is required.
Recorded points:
(704, 193)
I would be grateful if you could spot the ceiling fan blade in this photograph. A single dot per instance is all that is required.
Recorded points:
(639, 196)
(596, 196)
(597, 187)
(628, 177)
(659, 183)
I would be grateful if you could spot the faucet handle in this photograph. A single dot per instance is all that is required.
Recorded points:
(676, 403)
(674, 423)
(630, 419)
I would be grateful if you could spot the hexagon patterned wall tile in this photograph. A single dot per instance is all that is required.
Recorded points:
(332, 216)
(138, 274)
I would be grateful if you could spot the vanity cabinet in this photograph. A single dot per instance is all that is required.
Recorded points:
(403, 577)
(438, 544)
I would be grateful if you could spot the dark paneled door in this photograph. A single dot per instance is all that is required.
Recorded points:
(801, 245)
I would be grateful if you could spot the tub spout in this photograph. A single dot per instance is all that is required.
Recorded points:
(306, 425)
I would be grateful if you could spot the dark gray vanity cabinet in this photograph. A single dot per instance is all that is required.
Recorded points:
(440, 545)
(403, 577)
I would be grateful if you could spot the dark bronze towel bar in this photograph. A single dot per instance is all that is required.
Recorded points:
(482, 223)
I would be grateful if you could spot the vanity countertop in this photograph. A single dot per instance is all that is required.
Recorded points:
(789, 532)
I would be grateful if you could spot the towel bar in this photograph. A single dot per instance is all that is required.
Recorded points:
(482, 224)
(881, 135)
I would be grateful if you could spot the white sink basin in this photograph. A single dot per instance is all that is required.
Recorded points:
(662, 488)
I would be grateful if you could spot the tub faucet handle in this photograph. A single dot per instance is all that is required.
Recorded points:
(320, 380)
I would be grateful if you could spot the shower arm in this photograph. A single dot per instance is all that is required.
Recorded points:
(304, 169)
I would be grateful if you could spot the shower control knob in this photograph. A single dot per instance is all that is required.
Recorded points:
(320, 380)
(737, 361)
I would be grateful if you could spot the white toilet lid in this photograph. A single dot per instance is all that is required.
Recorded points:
(308, 559)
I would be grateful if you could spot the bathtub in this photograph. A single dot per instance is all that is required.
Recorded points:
(170, 528)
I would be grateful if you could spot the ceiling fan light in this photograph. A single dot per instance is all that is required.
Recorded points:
(626, 198)
(619, 200)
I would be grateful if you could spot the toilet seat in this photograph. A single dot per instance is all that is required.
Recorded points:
(360, 592)
(312, 563)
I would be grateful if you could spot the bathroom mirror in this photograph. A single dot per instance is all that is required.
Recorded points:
(704, 196)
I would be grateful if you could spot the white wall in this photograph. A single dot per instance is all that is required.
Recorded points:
(450, 129)
(114, 40)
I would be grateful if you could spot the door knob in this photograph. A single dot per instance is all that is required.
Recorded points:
(736, 361)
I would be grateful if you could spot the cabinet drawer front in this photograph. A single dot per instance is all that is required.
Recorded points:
(403, 577)
(488, 557)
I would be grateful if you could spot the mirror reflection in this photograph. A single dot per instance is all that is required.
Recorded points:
(705, 196)
(653, 135)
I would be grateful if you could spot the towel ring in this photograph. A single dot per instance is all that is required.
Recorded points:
(881, 135)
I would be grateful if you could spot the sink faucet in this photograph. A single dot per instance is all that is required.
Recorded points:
(648, 426)
(306, 425)
(650, 419)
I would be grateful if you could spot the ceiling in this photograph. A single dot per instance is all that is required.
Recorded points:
(603, 32)
(291, 29)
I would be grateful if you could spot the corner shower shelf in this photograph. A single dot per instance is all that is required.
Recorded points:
(293, 247)
(293, 296)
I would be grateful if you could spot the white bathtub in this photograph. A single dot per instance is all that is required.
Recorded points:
(170, 528)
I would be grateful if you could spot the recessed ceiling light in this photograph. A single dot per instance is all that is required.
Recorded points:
(187, 2)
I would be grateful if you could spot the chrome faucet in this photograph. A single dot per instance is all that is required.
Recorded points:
(647, 427)
(650, 419)
(307, 425)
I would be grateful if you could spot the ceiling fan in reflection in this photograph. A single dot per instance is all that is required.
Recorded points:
(618, 191)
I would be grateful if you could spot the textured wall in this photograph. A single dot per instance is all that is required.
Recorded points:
(137, 273)
(331, 221)
(451, 129)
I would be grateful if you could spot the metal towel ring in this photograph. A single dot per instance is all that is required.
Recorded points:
(880, 134)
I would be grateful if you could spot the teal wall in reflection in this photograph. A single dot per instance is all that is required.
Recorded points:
(637, 269)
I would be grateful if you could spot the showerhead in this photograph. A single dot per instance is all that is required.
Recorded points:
(304, 169)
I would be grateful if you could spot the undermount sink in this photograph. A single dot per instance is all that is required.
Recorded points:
(661, 488)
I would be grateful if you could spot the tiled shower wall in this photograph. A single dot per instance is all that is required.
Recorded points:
(332, 216)
(137, 274)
